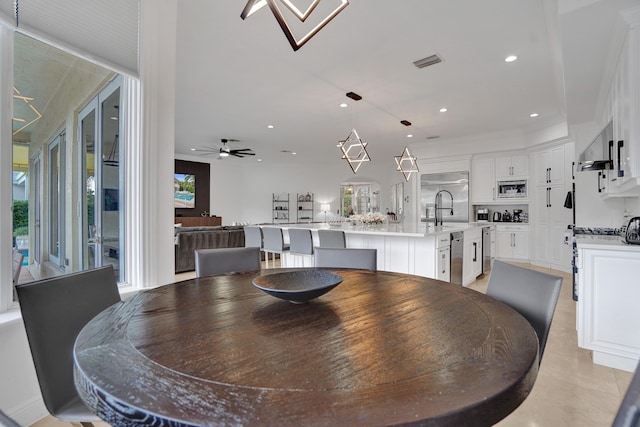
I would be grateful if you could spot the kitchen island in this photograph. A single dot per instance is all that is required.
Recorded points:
(414, 248)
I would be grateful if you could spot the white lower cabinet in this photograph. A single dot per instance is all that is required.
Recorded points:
(443, 257)
(472, 255)
(608, 295)
(512, 241)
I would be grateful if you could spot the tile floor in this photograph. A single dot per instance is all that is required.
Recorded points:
(569, 391)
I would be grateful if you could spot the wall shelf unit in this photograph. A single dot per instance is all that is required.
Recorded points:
(280, 207)
(304, 207)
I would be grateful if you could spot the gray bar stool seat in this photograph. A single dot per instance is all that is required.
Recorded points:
(331, 239)
(366, 259)
(301, 244)
(273, 243)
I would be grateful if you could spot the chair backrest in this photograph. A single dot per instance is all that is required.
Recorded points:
(54, 310)
(211, 262)
(331, 239)
(5, 421)
(16, 265)
(300, 241)
(629, 412)
(533, 294)
(366, 259)
(273, 239)
(252, 237)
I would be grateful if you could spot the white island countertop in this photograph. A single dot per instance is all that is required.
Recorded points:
(613, 243)
(387, 229)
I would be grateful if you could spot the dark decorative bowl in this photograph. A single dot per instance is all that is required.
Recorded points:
(297, 286)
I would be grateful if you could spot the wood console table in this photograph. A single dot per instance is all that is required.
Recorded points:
(198, 221)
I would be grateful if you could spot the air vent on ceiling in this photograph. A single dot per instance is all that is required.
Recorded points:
(429, 60)
(405, 122)
(354, 96)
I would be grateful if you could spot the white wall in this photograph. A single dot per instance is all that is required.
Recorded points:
(241, 189)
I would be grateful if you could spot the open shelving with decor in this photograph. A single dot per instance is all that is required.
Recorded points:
(304, 207)
(280, 206)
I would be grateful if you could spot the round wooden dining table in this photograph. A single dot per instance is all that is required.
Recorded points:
(381, 348)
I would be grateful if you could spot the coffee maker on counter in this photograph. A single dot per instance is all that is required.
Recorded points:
(517, 215)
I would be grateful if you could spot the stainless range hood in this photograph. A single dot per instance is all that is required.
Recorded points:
(599, 154)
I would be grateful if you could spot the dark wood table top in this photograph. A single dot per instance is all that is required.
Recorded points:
(380, 349)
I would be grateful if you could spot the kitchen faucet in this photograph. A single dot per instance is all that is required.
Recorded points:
(439, 205)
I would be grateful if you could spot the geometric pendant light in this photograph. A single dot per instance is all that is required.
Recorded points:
(406, 164)
(354, 150)
(255, 5)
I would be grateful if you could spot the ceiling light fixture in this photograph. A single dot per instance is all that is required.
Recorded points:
(444, 110)
(410, 135)
(407, 164)
(510, 58)
(354, 150)
(533, 115)
(425, 62)
(270, 126)
(192, 149)
(344, 105)
(255, 5)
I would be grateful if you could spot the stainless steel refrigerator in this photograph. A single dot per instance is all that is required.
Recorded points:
(456, 183)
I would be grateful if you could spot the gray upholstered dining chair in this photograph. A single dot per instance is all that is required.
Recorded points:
(274, 244)
(531, 293)
(331, 239)
(16, 266)
(628, 414)
(301, 243)
(54, 310)
(213, 262)
(252, 236)
(366, 259)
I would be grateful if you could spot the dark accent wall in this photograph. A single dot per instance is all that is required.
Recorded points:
(202, 172)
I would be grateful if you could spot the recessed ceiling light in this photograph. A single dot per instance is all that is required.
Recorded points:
(294, 153)
(510, 58)
(270, 126)
(192, 149)
(443, 110)
(410, 136)
(533, 115)
(113, 118)
(259, 160)
(344, 105)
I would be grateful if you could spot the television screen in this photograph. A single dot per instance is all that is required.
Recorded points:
(184, 191)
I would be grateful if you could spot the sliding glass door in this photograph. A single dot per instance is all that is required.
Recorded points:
(101, 183)
(56, 226)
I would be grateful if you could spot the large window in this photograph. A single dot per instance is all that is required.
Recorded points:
(54, 220)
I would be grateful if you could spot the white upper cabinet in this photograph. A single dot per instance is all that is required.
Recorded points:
(512, 167)
(483, 180)
(550, 167)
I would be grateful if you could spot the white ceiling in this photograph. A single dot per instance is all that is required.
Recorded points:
(235, 77)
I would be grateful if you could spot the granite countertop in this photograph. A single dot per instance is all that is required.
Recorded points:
(604, 242)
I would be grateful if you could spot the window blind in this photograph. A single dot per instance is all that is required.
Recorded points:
(106, 30)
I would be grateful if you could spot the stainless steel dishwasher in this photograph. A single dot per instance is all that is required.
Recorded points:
(457, 243)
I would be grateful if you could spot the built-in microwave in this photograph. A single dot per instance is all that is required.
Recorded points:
(516, 189)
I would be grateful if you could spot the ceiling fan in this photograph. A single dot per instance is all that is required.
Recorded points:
(225, 151)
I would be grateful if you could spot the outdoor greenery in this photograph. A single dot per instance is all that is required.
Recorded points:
(20, 218)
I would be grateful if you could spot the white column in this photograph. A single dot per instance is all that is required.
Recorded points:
(6, 155)
(151, 255)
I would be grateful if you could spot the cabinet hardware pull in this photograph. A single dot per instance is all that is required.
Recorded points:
(475, 251)
(620, 171)
(599, 186)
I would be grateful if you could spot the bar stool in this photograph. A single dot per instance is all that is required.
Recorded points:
(301, 243)
(332, 239)
(253, 238)
(273, 243)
